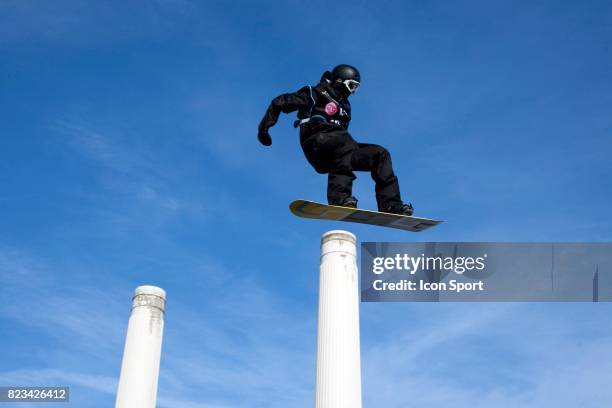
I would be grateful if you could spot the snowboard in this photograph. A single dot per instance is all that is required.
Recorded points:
(312, 209)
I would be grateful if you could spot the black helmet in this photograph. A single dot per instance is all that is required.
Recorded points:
(344, 72)
(347, 75)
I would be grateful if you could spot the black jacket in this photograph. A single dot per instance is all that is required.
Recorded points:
(311, 102)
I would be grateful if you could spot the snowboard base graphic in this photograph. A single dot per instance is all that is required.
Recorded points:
(312, 209)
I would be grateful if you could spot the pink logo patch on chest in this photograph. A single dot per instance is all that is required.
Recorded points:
(331, 108)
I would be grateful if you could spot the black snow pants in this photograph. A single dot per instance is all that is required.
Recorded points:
(336, 153)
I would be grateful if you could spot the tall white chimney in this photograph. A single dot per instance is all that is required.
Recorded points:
(338, 354)
(141, 356)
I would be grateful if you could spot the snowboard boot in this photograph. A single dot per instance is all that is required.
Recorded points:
(401, 209)
(345, 202)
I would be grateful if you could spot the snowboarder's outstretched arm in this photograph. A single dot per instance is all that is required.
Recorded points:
(286, 103)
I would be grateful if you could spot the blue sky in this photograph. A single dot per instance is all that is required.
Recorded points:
(128, 156)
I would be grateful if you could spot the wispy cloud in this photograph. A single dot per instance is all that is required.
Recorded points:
(505, 355)
(59, 378)
(35, 296)
(100, 147)
(148, 184)
(252, 340)
(427, 338)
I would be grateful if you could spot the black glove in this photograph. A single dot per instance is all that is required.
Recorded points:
(264, 137)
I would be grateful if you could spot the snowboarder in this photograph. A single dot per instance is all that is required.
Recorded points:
(324, 113)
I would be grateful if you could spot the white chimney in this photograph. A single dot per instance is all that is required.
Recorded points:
(338, 354)
(141, 356)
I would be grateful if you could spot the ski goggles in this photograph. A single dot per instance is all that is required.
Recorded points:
(351, 85)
